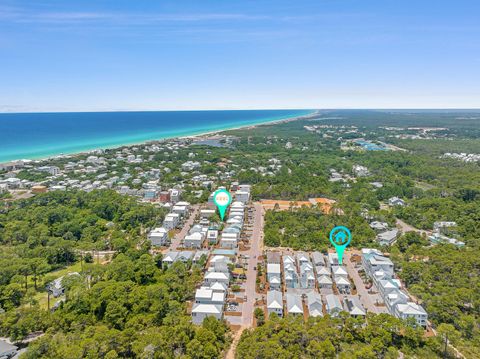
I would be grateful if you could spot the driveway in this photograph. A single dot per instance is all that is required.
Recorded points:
(186, 227)
(367, 299)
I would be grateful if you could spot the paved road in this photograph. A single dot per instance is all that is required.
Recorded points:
(255, 250)
(365, 298)
(186, 227)
(405, 227)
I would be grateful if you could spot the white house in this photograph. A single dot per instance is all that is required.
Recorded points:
(360, 171)
(181, 210)
(212, 236)
(206, 295)
(219, 288)
(294, 304)
(343, 284)
(199, 254)
(412, 310)
(275, 302)
(324, 281)
(302, 258)
(354, 307)
(170, 257)
(201, 311)
(317, 259)
(333, 305)
(273, 275)
(333, 260)
(171, 221)
(340, 271)
(184, 256)
(194, 240)
(387, 286)
(159, 237)
(290, 272)
(207, 213)
(307, 277)
(373, 261)
(315, 305)
(228, 240)
(379, 226)
(395, 201)
(387, 238)
(211, 277)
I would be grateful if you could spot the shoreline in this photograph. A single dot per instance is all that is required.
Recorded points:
(143, 142)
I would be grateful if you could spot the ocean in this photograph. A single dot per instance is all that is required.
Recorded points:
(40, 135)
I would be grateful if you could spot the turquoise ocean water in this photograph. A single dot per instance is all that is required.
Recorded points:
(39, 135)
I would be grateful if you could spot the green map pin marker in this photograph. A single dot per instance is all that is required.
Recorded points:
(222, 200)
(340, 237)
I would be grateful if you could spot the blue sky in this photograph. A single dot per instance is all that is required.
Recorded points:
(232, 54)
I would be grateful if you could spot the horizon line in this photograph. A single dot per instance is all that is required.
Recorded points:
(475, 109)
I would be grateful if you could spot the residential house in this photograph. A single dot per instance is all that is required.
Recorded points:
(379, 226)
(212, 236)
(201, 311)
(387, 238)
(199, 255)
(290, 272)
(360, 171)
(318, 259)
(387, 286)
(275, 302)
(206, 295)
(373, 261)
(170, 257)
(207, 213)
(307, 277)
(412, 310)
(219, 287)
(339, 271)
(343, 284)
(184, 256)
(324, 281)
(194, 240)
(174, 195)
(395, 201)
(181, 210)
(159, 237)
(315, 305)
(333, 305)
(229, 240)
(273, 275)
(302, 258)
(171, 221)
(333, 260)
(353, 306)
(294, 304)
(211, 277)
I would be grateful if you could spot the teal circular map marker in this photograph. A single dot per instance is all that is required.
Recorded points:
(340, 237)
(222, 200)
